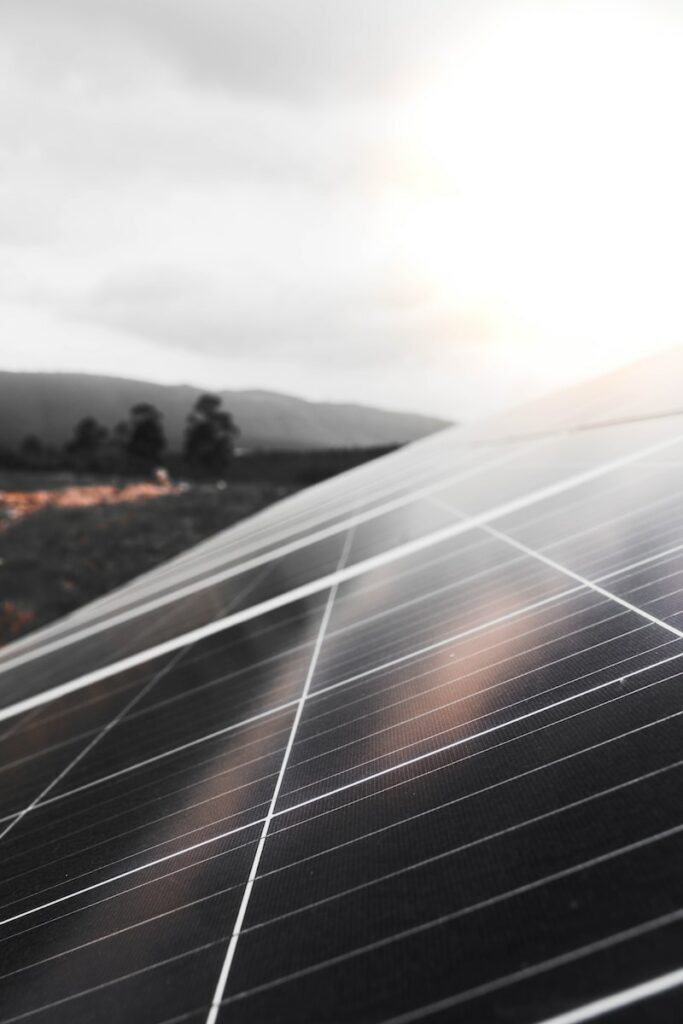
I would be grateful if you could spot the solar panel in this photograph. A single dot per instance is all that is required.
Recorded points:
(403, 747)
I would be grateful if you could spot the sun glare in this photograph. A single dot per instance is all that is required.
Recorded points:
(546, 180)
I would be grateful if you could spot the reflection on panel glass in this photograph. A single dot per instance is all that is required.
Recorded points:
(404, 748)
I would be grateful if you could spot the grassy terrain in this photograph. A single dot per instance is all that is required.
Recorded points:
(55, 558)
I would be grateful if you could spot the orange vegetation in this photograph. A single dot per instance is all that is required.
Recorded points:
(17, 504)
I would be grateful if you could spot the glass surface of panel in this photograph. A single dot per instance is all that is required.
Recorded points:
(445, 784)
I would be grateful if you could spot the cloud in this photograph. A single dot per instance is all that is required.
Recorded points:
(206, 172)
(303, 193)
(309, 50)
(319, 327)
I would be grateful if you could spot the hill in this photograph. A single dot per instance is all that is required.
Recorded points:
(49, 404)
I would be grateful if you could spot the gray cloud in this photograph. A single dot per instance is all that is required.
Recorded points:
(358, 329)
(244, 187)
(299, 49)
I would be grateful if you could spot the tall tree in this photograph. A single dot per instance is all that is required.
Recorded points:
(144, 439)
(86, 444)
(209, 437)
(32, 449)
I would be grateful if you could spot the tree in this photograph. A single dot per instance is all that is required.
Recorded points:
(121, 433)
(32, 449)
(86, 444)
(32, 453)
(209, 437)
(144, 439)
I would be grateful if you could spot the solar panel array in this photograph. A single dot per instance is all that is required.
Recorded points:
(403, 747)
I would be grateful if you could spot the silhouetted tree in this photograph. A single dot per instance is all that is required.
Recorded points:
(143, 438)
(32, 449)
(87, 442)
(9, 458)
(209, 437)
(120, 434)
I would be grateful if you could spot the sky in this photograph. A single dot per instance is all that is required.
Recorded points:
(446, 206)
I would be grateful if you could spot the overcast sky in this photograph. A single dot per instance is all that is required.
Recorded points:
(438, 205)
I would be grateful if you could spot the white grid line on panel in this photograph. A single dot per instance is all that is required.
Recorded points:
(232, 675)
(97, 736)
(241, 529)
(485, 789)
(221, 557)
(101, 733)
(417, 759)
(381, 878)
(326, 533)
(527, 887)
(442, 855)
(280, 708)
(263, 520)
(218, 821)
(637, 931)
(437, 709)
(534, 970)
(225, 793)
(577, 577)
(342, 683)
(619, 1000)
(18, 724)
(372, 795)
(334, 633)
(236, 931)
(220, 554)
(324, 582)
(113, 981)
(491, 901)
(443, 732)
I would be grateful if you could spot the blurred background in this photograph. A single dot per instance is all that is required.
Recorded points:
(247, 245)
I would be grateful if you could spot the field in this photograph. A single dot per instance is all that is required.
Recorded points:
(64, 542)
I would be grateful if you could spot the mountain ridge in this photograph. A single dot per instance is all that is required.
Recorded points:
(50, 404)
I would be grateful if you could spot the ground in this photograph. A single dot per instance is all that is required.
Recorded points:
(64, 542)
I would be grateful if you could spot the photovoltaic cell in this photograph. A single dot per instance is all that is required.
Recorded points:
(421, 762)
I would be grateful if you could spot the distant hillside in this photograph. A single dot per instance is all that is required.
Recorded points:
(49, 404)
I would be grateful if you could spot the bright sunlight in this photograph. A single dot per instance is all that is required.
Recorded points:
(543, 186)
